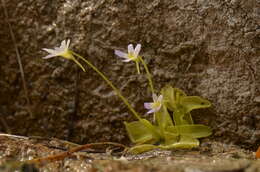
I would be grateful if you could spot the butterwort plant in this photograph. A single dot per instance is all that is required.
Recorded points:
(173, 126)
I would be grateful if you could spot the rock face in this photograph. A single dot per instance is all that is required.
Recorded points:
(207, 48)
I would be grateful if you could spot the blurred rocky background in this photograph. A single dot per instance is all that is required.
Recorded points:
(207, 48)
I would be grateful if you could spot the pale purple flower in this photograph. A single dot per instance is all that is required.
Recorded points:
(131, 55)
(154, 106)
(62, 51)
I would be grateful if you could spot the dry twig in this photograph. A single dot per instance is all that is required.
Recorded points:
(62, 156)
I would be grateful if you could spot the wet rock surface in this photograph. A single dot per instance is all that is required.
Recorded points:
(207, 48)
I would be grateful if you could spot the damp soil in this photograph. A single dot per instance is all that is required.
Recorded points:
(209, 157)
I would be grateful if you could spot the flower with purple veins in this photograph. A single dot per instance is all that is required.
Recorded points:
(154, 106)
(131, 55)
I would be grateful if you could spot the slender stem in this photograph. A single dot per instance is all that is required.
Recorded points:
(76, 61)
(110, 84)
(148, 74)
(137, 67)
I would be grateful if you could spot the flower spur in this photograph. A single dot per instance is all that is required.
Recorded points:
(62, 51)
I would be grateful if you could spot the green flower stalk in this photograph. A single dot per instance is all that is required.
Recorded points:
(148, 74)
(110, 84)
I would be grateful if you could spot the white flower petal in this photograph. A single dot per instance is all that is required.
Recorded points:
(126, 60)
(148, 105)
(155, 98)
(57, 49)
(151, 111)
(49, 56)
(157, 109)
(50, 51)
(160, 98)
(130, 48)
(63, 44)
(68, 44)
(121, 54)
(137, 50)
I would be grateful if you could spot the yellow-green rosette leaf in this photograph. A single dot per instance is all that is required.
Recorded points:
(184, 143)
(163, 118)
(171, 138)
(142, 148)
(192, 131)
(172, 96)
(140, 133)
(190, 103)
(168, 95)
